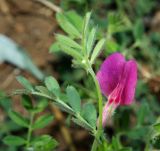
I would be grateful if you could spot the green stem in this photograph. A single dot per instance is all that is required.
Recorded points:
(100, 102)
(100, 107)
(94, 145)
(30, 131)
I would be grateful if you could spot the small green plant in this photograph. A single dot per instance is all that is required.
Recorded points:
(31, 123)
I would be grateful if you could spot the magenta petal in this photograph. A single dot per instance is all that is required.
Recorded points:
(130, 82)
(109, 74)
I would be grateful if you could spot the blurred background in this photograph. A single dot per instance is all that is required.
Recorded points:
(130, 26)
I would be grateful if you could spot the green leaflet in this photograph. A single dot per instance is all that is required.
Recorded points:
(54, 47)
(86, 23)
(91, 40)
(74, 99)
(89, 113)
(82, 124)
(97, 50)
(72, 52)
(44, 143)
(14, 140)
(18, 119)
(67, 26)
(42, 121)
(25, 83)
(64, 40)
(52, 85)
(44, 91)
(75, 19)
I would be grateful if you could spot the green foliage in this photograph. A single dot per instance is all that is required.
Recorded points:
(25, 83)
(144, 6)
(54, 47)
(67, 26)
(69, 46)
(27, 102)
(138, 133)
(64, 107)
(156, 141)
(91, 40)
(90, 114)
(44, 143)
(118, 22)
(5, 102)
(42, 121)
(84, 46)
(97, 50)
(18, 119)
(44, 91)
(30, 122)
(71, 51)
(14, 140)
(69, 102)
(68, 41)
(52, 85)
(86, 23)
(75, 19)
(157, 126)
(74, 99)
(114, 145)
(112, 46)
(40, 106)
(142, 112)
(138, 29)
(155, 138)
(81, 122)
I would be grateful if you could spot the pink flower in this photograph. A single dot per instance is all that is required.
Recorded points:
(117, 78)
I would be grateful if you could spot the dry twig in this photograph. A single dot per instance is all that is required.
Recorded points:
(50, 5)
(4, 7)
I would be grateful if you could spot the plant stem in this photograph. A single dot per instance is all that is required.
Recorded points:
(30, 130)
(100, 103)
(94, 145)
(100, 107)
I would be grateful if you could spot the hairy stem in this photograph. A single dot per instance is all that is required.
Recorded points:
(94, 145)
(100, 103)
(29, 134)
(100, 107)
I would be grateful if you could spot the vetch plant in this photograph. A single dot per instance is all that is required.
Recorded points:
(30, 121)
(116, 79)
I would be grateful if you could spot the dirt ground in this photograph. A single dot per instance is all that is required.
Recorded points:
(32, 26)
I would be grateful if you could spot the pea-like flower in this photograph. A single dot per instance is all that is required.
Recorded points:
(117, 79)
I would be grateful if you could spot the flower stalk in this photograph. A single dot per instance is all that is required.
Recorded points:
(100, 107)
